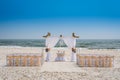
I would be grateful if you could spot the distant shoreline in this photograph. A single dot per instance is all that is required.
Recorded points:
(59, 48)
(80, 43)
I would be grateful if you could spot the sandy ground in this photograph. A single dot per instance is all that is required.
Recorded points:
(58, 70)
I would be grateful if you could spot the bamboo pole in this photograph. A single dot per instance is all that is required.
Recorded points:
(81, 58)
(28, 60)
(31, 60)
(10, 60)
(85, 61)
(24, 61)
(103, 61)
(100, 61)
(96, 61)
(16, 60)
(107, 61)
(110, 61)
(77, 59)
(39, 61)
(89, 61)
(36, 60)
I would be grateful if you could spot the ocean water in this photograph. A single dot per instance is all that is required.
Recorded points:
(81, 43)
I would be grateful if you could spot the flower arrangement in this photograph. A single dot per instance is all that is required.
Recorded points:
(74, 50)
(47, 49)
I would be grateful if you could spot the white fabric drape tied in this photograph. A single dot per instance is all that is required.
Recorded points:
(51, 41)
(70, 42)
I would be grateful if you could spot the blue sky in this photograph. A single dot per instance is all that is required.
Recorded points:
(30, 19)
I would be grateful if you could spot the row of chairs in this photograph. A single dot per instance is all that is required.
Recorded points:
(95, 60)
(25, 60)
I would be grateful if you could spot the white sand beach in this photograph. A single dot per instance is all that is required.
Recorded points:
(58, 70)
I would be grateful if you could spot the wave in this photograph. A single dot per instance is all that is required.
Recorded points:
(18, 47)
(89, 44)
(10, 46)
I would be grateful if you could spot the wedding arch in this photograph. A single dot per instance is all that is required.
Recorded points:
(51, 41)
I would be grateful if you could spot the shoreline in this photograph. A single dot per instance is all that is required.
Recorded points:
(59, 47)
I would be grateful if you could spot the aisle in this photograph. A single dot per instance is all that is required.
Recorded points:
(60, 67)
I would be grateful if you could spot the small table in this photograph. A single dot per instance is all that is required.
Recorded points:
(60, 57)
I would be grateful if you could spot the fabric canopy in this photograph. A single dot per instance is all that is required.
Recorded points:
(52, 41)
(70, 42)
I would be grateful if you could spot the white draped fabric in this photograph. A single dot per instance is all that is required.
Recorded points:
(73, 57)
(51, 41)
(48, 56)
(70, 42)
